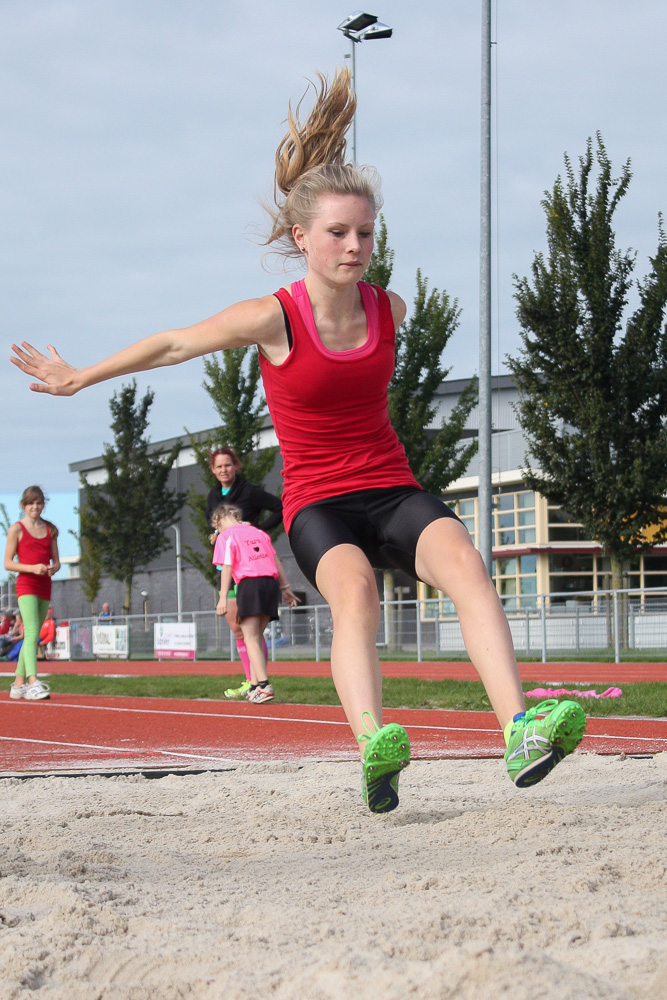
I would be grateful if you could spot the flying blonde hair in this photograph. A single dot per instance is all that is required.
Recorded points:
(310, 162)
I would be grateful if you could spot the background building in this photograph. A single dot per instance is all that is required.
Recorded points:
(537, 548)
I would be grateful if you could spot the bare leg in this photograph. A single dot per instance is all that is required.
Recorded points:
(237, 632)
(253, 628)
(346, 581)
(446, 559)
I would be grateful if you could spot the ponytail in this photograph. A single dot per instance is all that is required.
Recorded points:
(310, 162)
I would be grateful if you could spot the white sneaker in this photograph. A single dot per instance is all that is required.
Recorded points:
(261, 694)
(37, 691)
(18, 692)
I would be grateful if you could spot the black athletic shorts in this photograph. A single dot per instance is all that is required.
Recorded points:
(384, 523)
(257, 595)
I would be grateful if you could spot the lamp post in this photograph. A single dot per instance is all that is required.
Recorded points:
(144, 594)
(361, 27)
(179, 593)
(484, 510)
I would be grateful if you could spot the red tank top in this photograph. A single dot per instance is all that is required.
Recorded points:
(30, 551)
(329, 408)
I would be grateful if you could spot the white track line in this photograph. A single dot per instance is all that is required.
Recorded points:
(95, 746)
(195, 715)
(323, 722)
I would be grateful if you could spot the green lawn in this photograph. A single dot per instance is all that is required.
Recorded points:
(648, 699)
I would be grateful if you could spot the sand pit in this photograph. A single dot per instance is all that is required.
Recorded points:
(273, 881)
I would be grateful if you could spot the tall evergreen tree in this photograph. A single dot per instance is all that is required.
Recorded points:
(125, 519)
(436, 455)
(593, 390)
(233, 382)
(90, 564)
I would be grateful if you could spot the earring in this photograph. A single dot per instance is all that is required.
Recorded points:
(302, 249)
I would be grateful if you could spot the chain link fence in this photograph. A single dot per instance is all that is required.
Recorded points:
(608, 624)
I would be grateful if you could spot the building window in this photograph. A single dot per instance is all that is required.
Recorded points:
(514, 519)
(655, 575)
(516, 581)
(465, 510)
(435, 604)
(563, 528)
(570, 572)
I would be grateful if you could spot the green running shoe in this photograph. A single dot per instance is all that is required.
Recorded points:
(239, 692)
(386, 753)
(535, 745)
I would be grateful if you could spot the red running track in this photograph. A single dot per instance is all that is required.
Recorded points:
(84, 733)
(547, 673)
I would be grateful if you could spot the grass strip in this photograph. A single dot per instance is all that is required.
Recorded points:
(647, 699)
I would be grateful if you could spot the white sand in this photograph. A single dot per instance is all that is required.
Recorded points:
(274, 881)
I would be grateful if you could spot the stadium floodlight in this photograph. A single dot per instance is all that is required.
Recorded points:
(377, 30)
(356, 22)
(360, 27)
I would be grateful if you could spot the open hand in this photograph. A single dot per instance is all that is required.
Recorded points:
(289, 598)
(56, 375)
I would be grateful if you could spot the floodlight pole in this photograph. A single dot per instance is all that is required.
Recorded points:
(353, 57)
(358, 27)
(484, 511)
(179, 593)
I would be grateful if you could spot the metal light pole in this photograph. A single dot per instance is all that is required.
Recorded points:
(359, 27)
(484, 523)
(144, 594)
(179, 594)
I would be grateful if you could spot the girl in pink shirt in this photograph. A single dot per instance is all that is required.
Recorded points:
(246, 557)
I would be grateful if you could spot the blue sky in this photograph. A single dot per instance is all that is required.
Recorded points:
(138, 142)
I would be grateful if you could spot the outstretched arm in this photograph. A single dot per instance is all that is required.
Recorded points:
(255, 321)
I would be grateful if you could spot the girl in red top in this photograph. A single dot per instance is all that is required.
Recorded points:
(350, 500)
(32, 552)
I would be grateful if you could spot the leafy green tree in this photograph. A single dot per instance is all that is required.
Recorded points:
(436, 456)
(233, 381)
(90, 564)
(124, 521)
(593, 389)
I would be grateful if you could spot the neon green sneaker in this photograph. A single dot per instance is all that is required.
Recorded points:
(239, 692)
(535, 745)
(386, 753)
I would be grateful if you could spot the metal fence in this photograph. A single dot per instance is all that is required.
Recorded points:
(549, 626)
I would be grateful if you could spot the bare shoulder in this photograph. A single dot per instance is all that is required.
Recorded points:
(252, 321)
(13, 536)
(398, 307)
(262, 314)
(272, 340)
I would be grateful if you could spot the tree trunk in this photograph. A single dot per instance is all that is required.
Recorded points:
(622, 603)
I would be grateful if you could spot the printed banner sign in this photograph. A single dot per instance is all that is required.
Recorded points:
(60, 648)
(111, 641)
(175, 640)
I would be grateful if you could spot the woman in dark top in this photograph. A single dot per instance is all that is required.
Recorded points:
(251, 501)
(234, 489)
